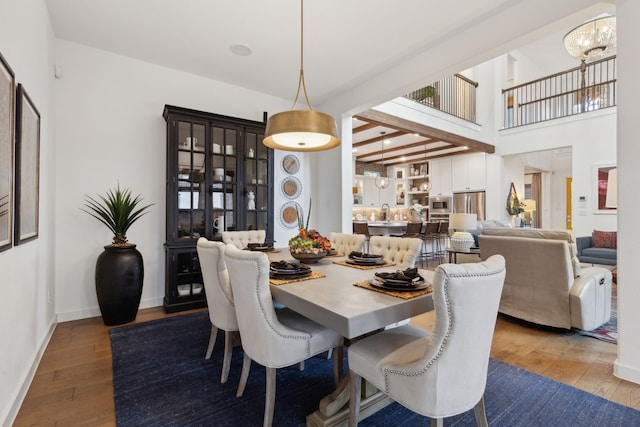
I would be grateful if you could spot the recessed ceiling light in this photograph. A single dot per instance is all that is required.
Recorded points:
(416, 134)
(240, 49)
(403, 158)
(354, 150)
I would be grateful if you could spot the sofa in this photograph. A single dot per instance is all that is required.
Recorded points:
(599, 248)
(545, 283)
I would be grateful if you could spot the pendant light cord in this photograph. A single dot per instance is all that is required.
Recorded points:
(301, 82)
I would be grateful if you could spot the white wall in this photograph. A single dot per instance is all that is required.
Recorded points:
(27, 314)
(592, 138)
(110, 130)
(628, 364)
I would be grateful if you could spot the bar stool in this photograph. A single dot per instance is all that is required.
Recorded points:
(443, 235)
(431, 235)
(361, 227)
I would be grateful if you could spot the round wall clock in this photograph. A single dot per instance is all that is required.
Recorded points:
(290, 164)
(291, 187)
(289, 214)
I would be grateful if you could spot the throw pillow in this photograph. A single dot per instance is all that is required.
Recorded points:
(605, 239)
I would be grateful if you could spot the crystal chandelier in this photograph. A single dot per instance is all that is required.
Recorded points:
(593, 39)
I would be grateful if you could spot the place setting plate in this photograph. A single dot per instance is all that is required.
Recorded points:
(388, 286)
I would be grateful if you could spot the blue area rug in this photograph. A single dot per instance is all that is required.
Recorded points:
(161, 378)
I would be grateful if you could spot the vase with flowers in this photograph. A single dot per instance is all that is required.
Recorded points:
(309, 245)
(415, 211)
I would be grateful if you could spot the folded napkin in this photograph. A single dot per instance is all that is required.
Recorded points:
(284, 265)
(409, 276)
(356, 254)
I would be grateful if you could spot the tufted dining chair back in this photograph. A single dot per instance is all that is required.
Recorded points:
(403, 251)
(346, 243)
(272, 338)
(222, 312)
(443, 373)
(240, 239)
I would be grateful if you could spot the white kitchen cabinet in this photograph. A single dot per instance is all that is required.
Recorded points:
(468, 172)
(375, 197)
(440, 176)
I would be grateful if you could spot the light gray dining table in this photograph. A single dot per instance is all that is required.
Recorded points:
(334, 302)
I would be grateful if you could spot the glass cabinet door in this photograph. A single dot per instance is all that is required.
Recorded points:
(224, 179)
(191, 185)
(256, 192)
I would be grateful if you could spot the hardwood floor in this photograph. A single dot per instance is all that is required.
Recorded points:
(73, 384)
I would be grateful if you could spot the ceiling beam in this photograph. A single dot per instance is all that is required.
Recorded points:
(394, 122)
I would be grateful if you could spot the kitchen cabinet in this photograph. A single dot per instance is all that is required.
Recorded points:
(215, 166)
(469, 172)
(375, 197)
(440, 175)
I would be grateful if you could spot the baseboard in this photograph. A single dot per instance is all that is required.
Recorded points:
(21, 393)
(95, 311)
(626, 373)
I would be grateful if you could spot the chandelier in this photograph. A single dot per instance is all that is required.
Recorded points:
(382, 181)
(301, 130)
(593, 39)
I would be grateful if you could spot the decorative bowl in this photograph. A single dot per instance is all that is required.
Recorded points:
(308, 257)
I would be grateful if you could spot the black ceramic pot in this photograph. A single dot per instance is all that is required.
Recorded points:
(119, 276)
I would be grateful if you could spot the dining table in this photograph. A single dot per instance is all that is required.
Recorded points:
(335, 298)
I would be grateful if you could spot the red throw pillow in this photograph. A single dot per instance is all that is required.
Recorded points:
(605, 239)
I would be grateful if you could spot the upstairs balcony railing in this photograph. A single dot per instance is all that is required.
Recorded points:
(455, 95)
(578, 90)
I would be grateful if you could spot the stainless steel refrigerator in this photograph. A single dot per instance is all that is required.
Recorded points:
(472, 202)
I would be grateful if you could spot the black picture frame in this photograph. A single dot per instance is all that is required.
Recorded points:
(7, 137)
(27, 154)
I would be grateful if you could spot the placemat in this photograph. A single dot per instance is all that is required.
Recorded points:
(400, 294)
(313, 275)
(334, 256)
(364, 267)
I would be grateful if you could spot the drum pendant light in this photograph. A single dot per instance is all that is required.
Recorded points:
(301, 130)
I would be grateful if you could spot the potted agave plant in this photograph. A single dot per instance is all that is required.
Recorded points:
(120, 268)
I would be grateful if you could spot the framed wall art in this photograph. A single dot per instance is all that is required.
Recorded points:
(605, 186)
(27, 155)
(7, 135)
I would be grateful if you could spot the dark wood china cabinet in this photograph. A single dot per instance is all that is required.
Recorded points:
(219, 177)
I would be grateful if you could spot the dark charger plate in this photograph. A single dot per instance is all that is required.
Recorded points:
(289, 275)
(393, 287)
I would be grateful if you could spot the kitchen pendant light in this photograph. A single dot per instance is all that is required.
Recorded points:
(382, 181)
(301, 130)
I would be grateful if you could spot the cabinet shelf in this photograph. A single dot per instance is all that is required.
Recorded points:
(417, 192)
(410, 178)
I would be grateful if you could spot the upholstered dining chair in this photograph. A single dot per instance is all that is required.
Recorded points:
(240, 239)
(403, 251)
(443, 373)
(346, 243)
(272, 338)
(222, 312)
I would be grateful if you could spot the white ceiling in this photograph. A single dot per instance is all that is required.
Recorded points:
(355, 51)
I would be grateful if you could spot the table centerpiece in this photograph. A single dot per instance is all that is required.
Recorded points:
(308, 246)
